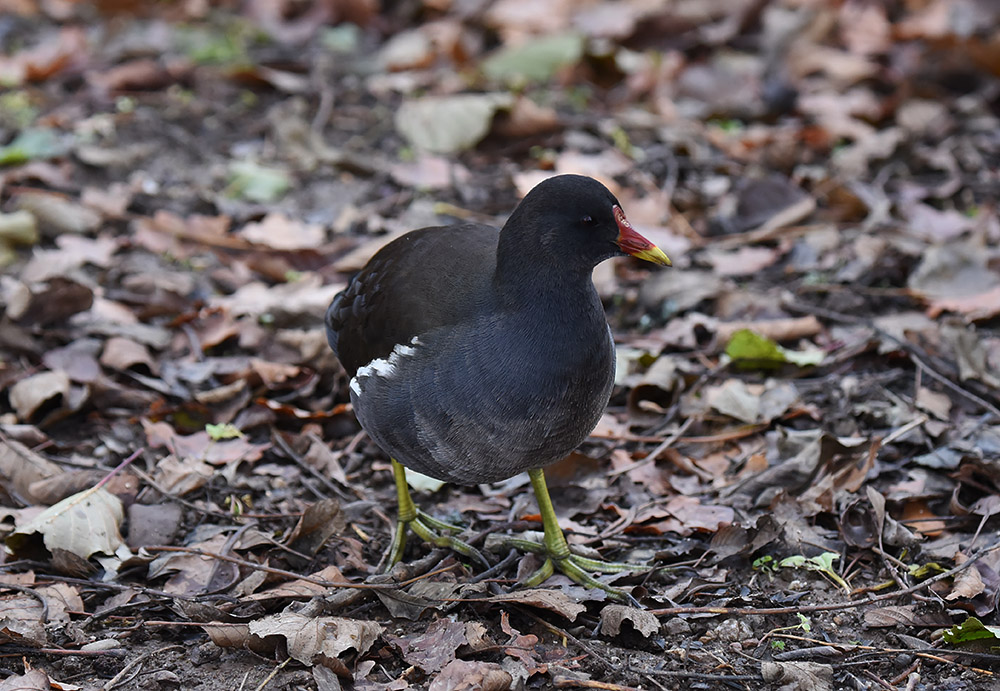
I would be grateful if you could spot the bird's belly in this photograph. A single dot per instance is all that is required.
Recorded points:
(486, 420)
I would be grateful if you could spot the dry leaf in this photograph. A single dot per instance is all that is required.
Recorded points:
(30, 394)
(613, 616)
(317, 640)
(462, 675)
(84, 524)
(553, 600)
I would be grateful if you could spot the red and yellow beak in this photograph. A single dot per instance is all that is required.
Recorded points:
(634, 244)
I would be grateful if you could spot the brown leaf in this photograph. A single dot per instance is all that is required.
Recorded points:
(976, 307)
(613, 616)
(694, 515)
(435, 648)
(935, 403)
(552, 600)
(192, 574)
(745, 261)
(428, 172)
(22, 620)
(968, 584)
(54, 53)
(52, 302)
(123, 353)
(798, 676)
(30, 394)
(462, 675)
(73, 252)
(319, 522)
(78, 360)
(84, 524)
(317, 640)
(34, 680)
(300, 589)
(280, 232)
(20, 467)
(907, 615)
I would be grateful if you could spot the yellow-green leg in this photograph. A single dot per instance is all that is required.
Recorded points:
(425, 527)
(555, 549)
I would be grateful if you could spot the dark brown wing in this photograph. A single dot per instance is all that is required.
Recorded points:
(423, 280)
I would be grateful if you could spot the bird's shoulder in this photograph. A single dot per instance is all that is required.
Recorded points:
(424, 280)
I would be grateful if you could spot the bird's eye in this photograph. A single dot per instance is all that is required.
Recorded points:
(587, 221)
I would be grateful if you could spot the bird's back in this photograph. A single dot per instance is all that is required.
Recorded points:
(425, 279)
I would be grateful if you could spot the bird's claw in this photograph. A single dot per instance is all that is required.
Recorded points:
(434, 532)
(578, 568)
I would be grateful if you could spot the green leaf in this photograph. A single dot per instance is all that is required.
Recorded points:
(257, 183)
(344, 38)
(796, 561)
(822, 562)
(535, 61)
(29, 145)
(972, 630)
(748, 348)
(223, 431)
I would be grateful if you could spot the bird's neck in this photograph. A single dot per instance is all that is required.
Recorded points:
(522, 285)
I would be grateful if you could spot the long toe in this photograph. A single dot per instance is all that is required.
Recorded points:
(427, 529)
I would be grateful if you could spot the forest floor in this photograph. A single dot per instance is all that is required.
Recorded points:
(805, 430)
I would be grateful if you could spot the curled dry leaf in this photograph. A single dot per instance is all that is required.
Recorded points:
(123, 353)
(968, 584)
(798, 676)
(20, 467)
(84, 524)
(613, 616)
(34, 680)
(463, 675)
(280, 232)
(319, 522)
(315, 640)
(30, 394)
(22, 620)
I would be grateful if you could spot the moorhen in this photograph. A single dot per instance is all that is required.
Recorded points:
(476, 353)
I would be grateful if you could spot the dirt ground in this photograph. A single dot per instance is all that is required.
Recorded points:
(804, 436)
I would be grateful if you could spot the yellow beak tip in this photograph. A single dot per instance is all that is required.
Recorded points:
(655, 255)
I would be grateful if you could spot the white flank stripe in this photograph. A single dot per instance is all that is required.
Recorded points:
(384, 367)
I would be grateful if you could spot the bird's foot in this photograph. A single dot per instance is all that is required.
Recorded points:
(427, 528)
(578, 568)
(431, 531)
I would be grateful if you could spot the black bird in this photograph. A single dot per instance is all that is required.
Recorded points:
(476, 353)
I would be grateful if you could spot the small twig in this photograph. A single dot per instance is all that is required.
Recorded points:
(115, 680)
(297, 458)
(570, 683)
(119, 587)
(695, 676)
(21, 650)
(295, 576)
(180, 500)
(33, 593)
(273, 674)
(511, 557)
(120, 467)
(599, 659)
(746, 611)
